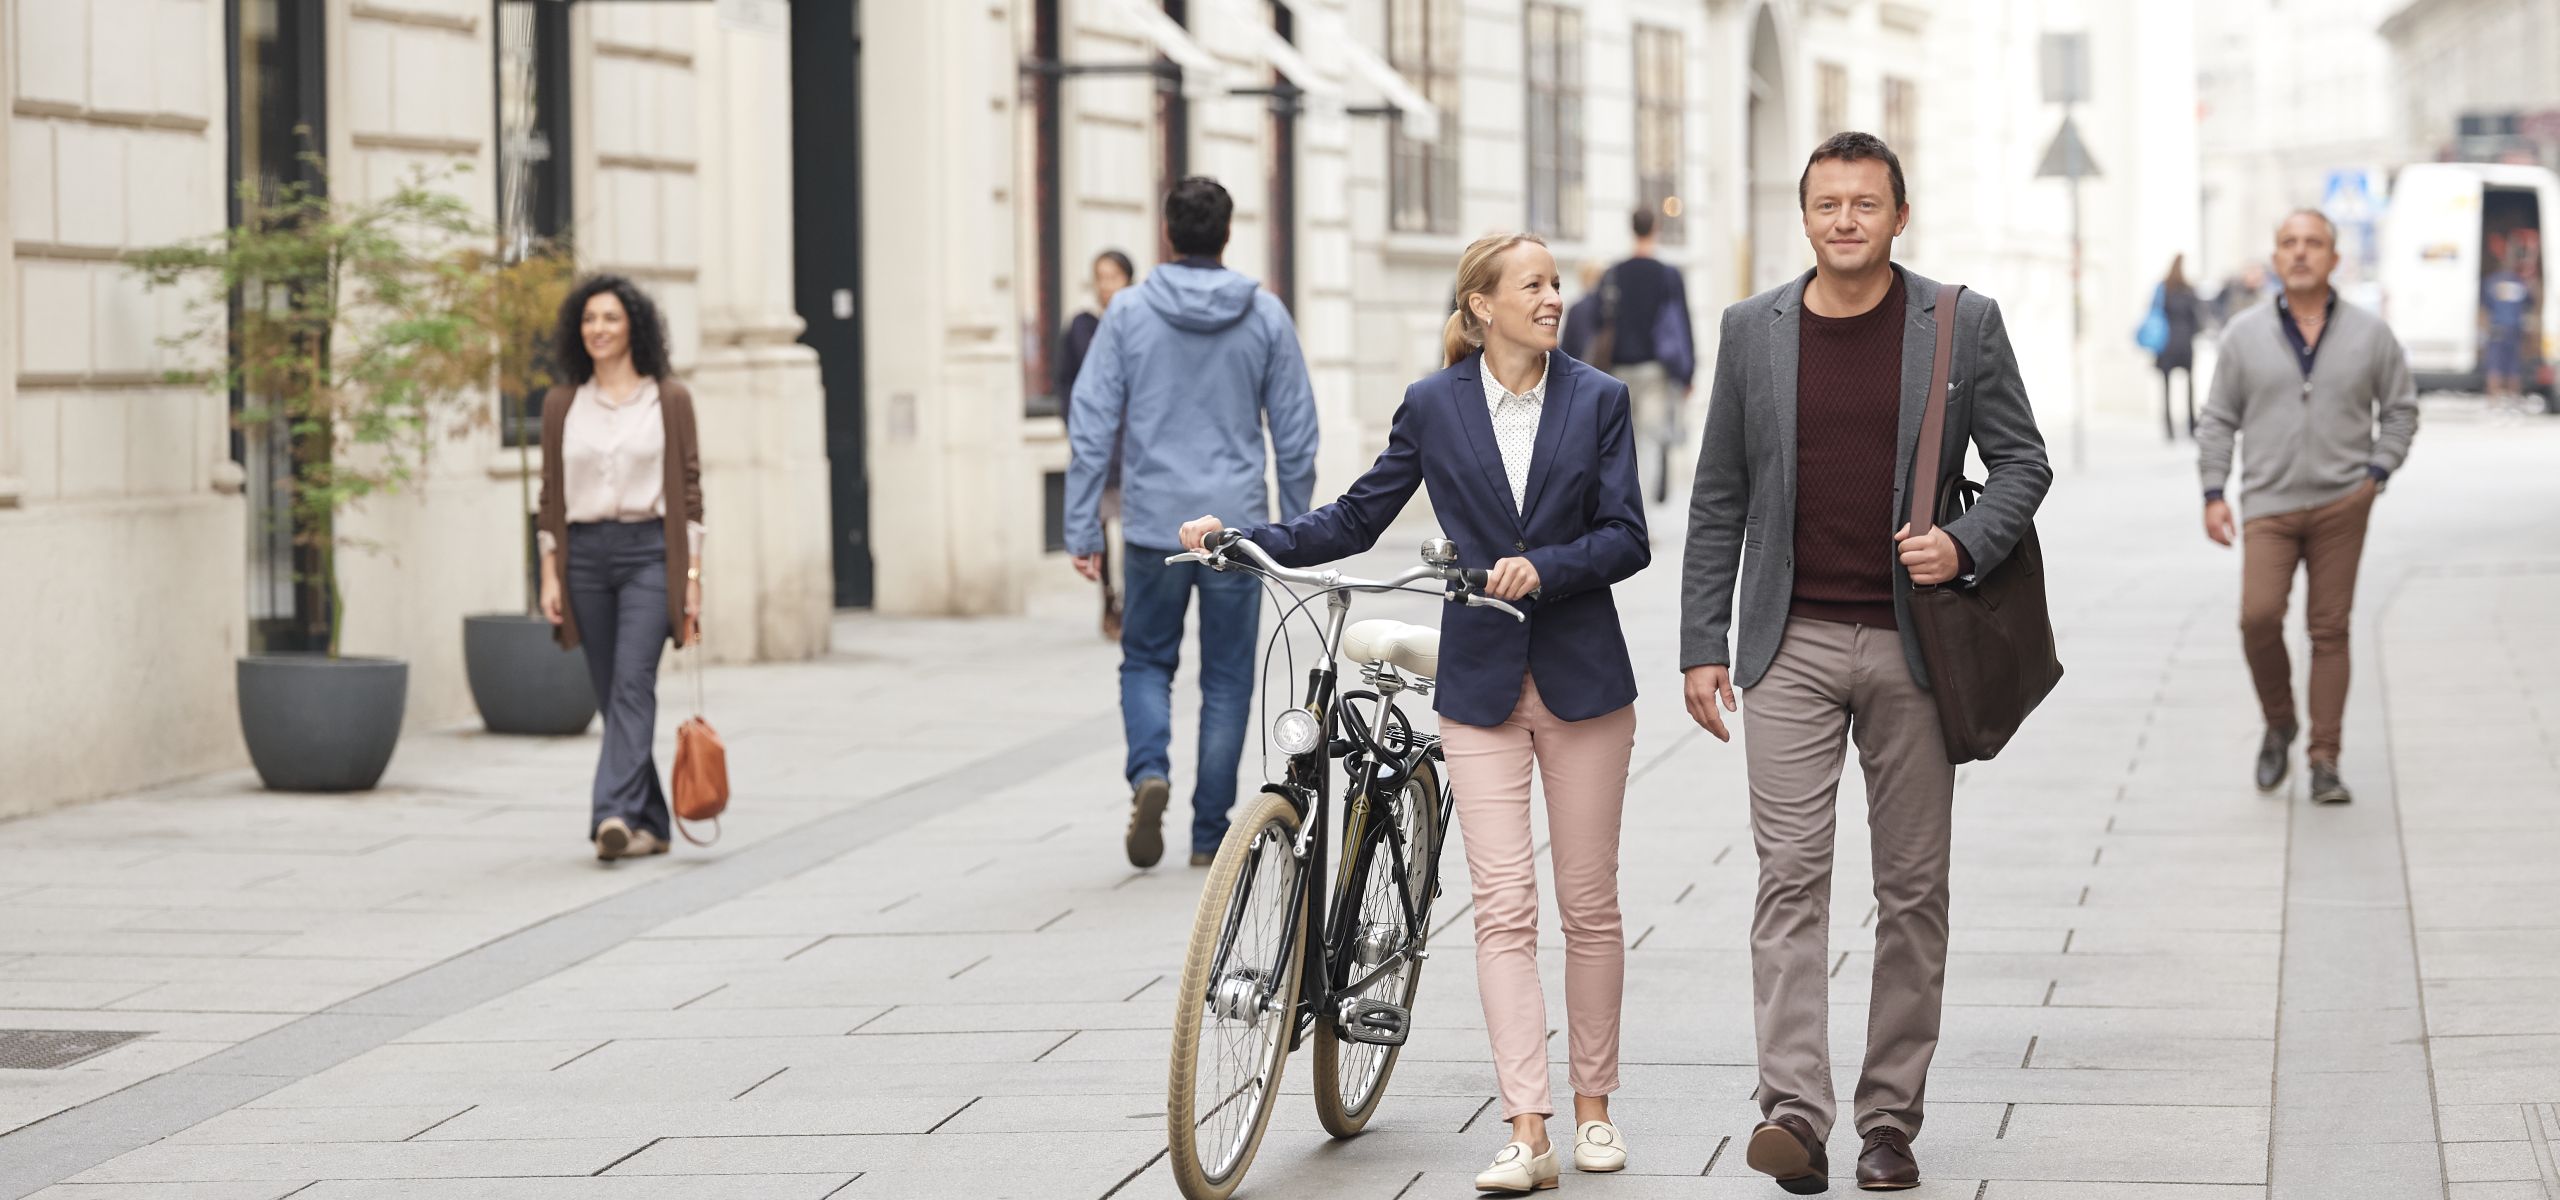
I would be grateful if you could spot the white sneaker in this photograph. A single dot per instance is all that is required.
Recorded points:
(1516, 1171)
(1597, 1147)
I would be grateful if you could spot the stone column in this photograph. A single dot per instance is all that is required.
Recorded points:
(942, 324)
(768, 580)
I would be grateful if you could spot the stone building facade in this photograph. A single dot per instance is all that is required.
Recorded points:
(129, 554)
(868, 224)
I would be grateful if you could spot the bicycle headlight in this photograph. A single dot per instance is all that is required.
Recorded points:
(1297, 731)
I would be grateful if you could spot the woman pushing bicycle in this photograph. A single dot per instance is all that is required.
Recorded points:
(1531, 461)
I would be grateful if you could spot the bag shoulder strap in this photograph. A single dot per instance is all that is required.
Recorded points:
(1933, 418)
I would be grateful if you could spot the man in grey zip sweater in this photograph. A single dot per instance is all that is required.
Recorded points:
(2319, 394)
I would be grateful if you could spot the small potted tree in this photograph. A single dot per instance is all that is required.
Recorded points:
(521, 679)
(352, 329)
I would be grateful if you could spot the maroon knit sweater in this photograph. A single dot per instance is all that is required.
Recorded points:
(1848, 400)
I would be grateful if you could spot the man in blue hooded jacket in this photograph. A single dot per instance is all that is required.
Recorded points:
(1184, 375)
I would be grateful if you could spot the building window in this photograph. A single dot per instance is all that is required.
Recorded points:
(1901, 118)
(1661, 93)
(533, 179)
(1831, 103)
(277, 63)
(1555, 120)
(1422, 44)
(1042, 303)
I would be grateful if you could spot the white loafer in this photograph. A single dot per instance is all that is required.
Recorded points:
(1515, 1171)
(1597, 1147)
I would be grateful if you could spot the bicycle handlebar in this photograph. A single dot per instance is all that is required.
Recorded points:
(1469, 581)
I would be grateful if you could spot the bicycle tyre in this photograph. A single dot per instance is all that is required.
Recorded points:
(1345, 1110)
(1265, 835)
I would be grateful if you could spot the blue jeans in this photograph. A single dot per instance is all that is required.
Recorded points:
(1158, 597)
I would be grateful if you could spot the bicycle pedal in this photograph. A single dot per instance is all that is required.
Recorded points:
(1374, 1023)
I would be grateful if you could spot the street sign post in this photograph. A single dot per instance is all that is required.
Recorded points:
(2066, 82)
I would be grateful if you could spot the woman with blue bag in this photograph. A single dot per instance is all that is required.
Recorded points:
(2168, 332)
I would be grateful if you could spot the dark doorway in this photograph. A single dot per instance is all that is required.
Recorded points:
(276, 74)
(826, 215)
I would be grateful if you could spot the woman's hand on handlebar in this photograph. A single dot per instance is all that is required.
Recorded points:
(1511, 579)
(1198, 531)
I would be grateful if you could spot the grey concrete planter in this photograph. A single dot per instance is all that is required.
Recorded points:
(321, 724)
(522, 680)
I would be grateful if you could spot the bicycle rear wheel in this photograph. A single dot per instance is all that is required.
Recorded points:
(1238, 1002)
(1351, 1077)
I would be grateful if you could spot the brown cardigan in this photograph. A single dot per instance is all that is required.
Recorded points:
(683, 459)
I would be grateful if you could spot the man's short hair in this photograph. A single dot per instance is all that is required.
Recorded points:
(2332, 226)
(1854, 147)
(1642, 222)
(1196, 214)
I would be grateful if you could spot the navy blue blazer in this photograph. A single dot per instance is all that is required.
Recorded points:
(1583, 529)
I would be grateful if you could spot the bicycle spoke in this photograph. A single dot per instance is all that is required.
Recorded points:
(1243, 1022)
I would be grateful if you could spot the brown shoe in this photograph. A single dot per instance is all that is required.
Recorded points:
(613, 837)
(1886, 1164)
(1203, 858)
(1145, 841)
(1785, 1149)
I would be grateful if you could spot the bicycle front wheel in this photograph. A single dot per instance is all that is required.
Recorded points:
(1238, 1002)
(1351, 1077)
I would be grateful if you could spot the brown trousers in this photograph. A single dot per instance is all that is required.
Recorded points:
(1832, 683)
(2328, 543)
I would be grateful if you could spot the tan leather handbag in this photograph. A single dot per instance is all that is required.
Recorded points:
(702, 763)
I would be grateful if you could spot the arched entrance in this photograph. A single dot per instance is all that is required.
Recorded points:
(1777, 249)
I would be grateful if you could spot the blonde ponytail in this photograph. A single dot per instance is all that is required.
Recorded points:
(1479, 270)
(1460, 338)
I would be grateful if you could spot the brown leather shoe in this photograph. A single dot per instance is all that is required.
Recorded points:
(1885, 1163)
(1786, 1150)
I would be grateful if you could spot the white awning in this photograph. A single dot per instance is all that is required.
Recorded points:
(1294, 66)
(1277, 50)
(1421, 116)
(1202, 72)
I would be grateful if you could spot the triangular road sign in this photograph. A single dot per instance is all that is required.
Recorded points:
(2067, 156)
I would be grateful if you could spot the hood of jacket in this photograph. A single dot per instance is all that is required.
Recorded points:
(1198, 299)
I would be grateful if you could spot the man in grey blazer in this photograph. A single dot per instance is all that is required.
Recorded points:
(1811, 426)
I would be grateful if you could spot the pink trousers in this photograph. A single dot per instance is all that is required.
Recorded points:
(1584, 764)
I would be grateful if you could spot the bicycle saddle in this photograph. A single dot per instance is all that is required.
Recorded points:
(1415, 648)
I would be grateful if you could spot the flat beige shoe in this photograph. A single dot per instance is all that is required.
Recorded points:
(612, 838)
(1597, 1147)
(643, 844)
(1515, 1171)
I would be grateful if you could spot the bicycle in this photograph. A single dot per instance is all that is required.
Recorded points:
(1273, 961)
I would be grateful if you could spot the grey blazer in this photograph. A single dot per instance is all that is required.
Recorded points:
(1742, 517)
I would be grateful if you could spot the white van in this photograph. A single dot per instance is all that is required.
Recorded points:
(2431, 262)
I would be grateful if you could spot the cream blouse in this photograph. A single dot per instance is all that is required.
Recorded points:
(613, 462)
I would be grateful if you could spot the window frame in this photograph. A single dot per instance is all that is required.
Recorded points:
(1422, 177)
(1661, 99)
(1553, 83)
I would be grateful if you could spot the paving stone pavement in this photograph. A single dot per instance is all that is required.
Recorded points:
(917, 966)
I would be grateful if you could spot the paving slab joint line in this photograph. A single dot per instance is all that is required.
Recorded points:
(625, 1158)
(64, 1144)
(1721, 1143)
(1132, 1176)
(2542, 1127)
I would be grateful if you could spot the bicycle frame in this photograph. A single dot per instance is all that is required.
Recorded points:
(1307, 784)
